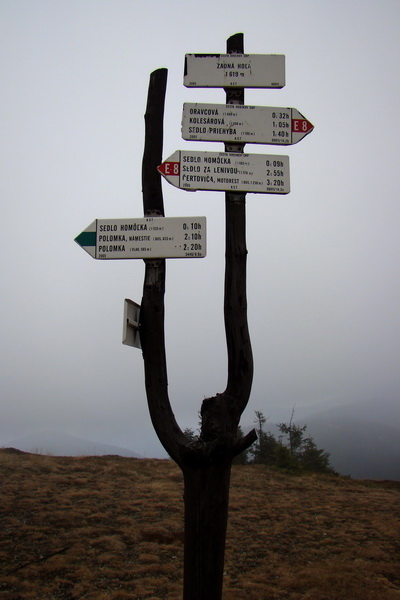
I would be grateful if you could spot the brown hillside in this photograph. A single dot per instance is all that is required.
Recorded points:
(110, 528)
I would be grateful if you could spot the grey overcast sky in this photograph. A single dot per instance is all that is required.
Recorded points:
(323, 262)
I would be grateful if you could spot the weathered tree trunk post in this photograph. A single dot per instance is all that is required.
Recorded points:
(152, 306)
(205, 463)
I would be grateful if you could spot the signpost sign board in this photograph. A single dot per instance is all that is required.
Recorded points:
(149, 237)
(234, 70)
(243, 124)
(227, 171)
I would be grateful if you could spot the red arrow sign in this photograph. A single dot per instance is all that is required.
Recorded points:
(301, 125)
(169, 169)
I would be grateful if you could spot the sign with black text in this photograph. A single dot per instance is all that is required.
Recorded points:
(234, 70)
(149, 237)
(243, 124)
(227, 171)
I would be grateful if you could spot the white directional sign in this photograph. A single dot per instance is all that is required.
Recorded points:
(235, 70)
(149, 237)
(227, 171)
(247, 124)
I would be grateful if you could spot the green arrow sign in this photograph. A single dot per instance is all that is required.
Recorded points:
(150, 237)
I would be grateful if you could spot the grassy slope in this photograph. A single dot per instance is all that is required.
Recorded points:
(98, 528)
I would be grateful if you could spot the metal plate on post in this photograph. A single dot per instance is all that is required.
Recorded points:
(130, 335)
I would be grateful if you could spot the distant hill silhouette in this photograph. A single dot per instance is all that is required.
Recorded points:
(360, 449)
(362, 438)
(62, 444)
(360, 442)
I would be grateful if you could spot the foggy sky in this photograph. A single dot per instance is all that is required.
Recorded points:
(323, 262)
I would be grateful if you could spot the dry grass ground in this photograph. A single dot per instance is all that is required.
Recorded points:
(110, 528)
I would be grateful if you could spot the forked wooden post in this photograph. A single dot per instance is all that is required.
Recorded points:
(206, 463)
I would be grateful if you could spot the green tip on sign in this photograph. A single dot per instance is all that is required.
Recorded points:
(86, 238)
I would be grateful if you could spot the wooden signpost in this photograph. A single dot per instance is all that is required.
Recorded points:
(206, 461)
